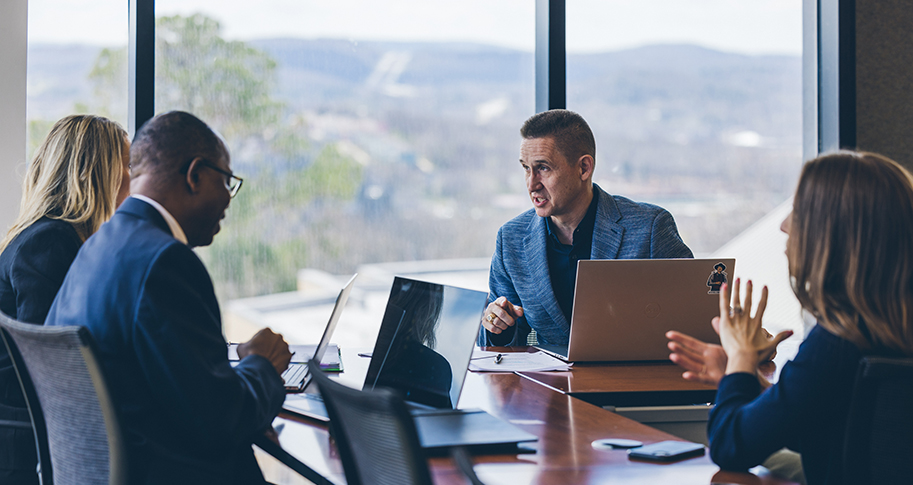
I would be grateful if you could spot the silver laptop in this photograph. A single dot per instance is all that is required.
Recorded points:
(624, 307)
(422, 351)
(296, 376)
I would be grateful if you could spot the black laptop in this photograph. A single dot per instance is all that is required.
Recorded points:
(423, 350)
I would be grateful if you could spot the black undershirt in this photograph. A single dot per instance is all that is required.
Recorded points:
(562, 258)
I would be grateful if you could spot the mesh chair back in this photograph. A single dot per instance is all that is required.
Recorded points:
(374, 433)
(83, 436)
(36, 417)
(879, 437)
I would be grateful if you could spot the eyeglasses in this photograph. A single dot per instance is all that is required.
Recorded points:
(232, 182)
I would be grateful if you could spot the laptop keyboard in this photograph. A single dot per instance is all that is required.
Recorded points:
(295, 374)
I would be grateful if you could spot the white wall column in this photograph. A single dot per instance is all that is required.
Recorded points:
(13, 59)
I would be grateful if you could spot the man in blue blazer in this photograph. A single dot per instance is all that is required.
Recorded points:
(148, 301)
(534, 267)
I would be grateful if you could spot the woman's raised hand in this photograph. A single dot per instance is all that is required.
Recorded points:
(745, 342)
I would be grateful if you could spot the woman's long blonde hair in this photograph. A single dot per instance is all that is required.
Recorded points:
(851, 249)
(74, 176)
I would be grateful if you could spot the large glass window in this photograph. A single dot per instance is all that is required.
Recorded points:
(367, 132)
(76, 62)
(387, 132)
(696, 106)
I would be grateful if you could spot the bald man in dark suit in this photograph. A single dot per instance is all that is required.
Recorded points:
(188, 416)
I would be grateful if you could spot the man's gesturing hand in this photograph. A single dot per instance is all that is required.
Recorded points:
(500, 314)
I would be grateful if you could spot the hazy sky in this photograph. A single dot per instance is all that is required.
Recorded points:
(747, 26)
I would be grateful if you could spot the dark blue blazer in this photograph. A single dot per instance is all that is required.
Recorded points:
(148, 301)
(32, 268)
(805, 411)
(519, 268)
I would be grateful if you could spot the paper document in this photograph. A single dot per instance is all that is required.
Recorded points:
(330, 361)
(487, 361)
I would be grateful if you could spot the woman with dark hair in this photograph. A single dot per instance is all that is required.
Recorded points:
(850, 252)
(78, 177)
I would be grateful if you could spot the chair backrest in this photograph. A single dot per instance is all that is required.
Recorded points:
(879, 437)
(374, 433)
(66, 394)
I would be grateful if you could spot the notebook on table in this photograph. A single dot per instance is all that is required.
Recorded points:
(331, 361)
(296, 376)
(624, 307)
(423, 349)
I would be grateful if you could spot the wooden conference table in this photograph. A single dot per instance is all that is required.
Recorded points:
(626, 384)
(566, 427)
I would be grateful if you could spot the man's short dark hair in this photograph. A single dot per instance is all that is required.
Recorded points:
(169, 140)
(569, 130)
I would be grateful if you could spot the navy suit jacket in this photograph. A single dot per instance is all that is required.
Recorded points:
(805, 411)
(148, 301)
(519, 268)
(32, 268)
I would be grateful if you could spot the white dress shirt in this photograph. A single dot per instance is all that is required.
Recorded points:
(176, 230)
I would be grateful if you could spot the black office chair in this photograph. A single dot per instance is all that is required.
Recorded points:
(76, 427)
(19, 426)
(879, 434)
(376, 436)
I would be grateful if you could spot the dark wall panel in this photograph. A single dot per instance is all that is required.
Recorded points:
(884, 78)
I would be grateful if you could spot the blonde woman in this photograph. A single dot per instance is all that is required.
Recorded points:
(850, 252)
(78, 177)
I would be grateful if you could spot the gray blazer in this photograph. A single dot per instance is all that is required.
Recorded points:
(519, 267)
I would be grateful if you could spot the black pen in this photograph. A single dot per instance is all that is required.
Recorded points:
(498, 358)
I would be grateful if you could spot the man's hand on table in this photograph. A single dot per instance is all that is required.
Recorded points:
(500, 314)
(270, 345)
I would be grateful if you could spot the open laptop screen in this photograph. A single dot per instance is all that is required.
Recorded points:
(425, 341)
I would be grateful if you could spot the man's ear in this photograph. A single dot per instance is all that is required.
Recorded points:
(585, 165)
(192, 179)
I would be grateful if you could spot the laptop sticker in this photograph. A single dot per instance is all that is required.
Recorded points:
(717, 278)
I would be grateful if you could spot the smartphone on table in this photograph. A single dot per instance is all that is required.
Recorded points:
(667, 451)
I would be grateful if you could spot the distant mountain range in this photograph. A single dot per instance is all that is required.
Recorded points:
(715, 137)
(698, 91)
(58, 77)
